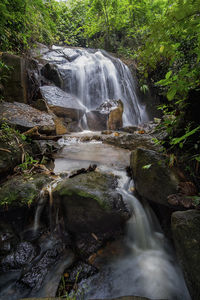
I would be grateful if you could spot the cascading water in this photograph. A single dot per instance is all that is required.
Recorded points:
(147, 266)
(94, 77)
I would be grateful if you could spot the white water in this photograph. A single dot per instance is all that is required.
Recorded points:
(148, 266)
(95, 76)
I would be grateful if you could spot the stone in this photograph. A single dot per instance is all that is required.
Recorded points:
(91, 203)
(24, 117)
(23, 254)
(10, 152)
(50, 71)
(154, 180)
(38, 50)
(40, 104)
(96, 120)
(61, 103)
(115, 117)
(20, 191)
(15, 88)
(185, 227)
(131, 141)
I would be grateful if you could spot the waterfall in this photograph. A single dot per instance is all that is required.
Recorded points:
(148, 268)
(94, 77)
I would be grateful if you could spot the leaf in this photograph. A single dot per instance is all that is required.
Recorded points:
(171, 93)
(147, 166)
(176, 141)
(162, 49)
(168, 74)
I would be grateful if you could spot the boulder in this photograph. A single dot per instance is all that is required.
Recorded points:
(24, 117)
(38, 50)
(20, 191)
(61, 103)
(10, 150)
(15, 88)
(131, 141)
(96, 120)
(50, 71)
(91, 203)
(186, 235)
(154, 180)
(115, 117)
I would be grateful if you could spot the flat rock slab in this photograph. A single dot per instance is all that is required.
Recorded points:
(61, 103)
(24, 117)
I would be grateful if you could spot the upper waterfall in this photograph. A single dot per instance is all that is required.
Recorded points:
(94, 76)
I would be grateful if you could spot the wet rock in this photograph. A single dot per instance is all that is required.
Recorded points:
(8, 239)
(61, 103)
(79, 272)
(131, 141)
(16, 84)
(186, 235)
(130, 298)
(39, 50)
(20, 191)
(88, 244)
(71, 54)
(23, 254)
(154, 180)
(10, 151)
(115, 117)
(96, 120)
(34, 278)
(40, 104)
(51, 72)
(24, 117)
(91, 203)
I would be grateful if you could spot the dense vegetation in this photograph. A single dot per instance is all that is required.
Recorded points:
(162, 36)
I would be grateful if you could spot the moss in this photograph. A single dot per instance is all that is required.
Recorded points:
(20, 191)
(75, 192)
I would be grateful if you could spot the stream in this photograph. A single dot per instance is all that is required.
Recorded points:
(142, 261)
(146, 265)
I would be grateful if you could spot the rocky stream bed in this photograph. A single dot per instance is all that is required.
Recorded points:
(94, 213)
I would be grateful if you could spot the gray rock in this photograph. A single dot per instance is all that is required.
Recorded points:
(96, 121)
(24, 117)
(91, 203)
(61, 103)
(186, 235)
(15, 88)
(23, 254)
(20, 191)
(131, 141)
(154, 180)
(51, 72)
(10, 152)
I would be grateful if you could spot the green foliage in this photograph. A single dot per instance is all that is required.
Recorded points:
(28, 163)
(4, 72)
(147, 166)
(22, 22)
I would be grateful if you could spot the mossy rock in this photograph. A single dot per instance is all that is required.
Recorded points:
(154, 180)
(91, 203)
(11, 150)
(186, 235)
(22, 191)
